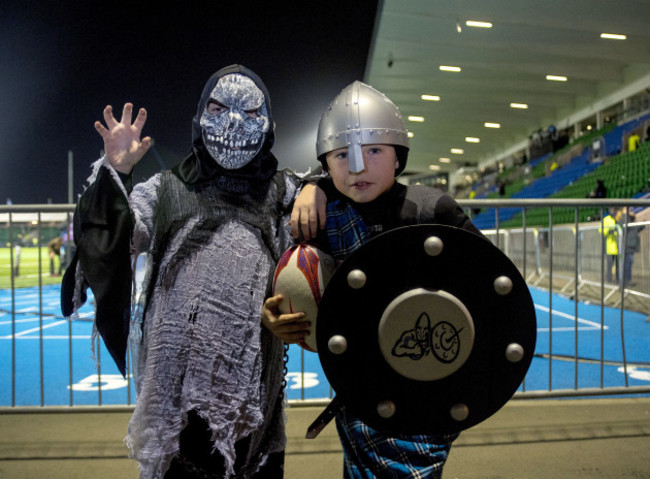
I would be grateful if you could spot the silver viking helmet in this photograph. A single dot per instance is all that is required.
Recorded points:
(360, 115)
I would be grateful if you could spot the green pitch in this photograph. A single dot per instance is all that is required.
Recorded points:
(28, 268)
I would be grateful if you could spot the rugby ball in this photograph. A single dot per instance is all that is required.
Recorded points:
(301, 277)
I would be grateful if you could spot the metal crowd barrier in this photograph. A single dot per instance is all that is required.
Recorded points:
(567, 258)
(570, 258)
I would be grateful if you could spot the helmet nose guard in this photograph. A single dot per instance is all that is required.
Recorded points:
(360, 115)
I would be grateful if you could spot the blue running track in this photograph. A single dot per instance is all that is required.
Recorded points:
(48, 349)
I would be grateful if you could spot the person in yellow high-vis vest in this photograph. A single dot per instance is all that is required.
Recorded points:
(611, 244)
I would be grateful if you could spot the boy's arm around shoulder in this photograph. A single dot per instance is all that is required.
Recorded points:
(307, 202)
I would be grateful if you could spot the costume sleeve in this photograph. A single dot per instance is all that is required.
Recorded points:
(103, 224)
(292, 186)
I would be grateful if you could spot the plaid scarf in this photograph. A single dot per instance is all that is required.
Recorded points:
(346, 230)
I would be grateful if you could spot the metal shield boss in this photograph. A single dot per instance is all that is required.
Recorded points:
(426, 329)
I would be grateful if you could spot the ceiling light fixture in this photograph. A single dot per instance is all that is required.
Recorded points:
(416, 118)
(448, 68)
(613, 36)
(472, 139)
(434, 167)
(556, 78)
(457, 151)
(444, 160)
(473, 23)
(430, 97)
(410, 134)
(492, 125)
(521, 106)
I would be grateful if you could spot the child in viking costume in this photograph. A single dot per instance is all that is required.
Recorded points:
(363, 145)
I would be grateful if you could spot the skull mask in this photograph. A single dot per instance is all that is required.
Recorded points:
(235, 121)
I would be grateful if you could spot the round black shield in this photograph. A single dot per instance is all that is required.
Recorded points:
(426, 329)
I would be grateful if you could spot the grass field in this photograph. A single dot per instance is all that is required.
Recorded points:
(29, 268)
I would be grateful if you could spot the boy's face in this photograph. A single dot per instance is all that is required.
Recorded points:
(377, 176)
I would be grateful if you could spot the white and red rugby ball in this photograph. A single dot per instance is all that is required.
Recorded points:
(301, 277)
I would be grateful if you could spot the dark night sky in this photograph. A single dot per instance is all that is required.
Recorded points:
(62, 62)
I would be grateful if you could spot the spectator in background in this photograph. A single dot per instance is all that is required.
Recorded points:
(600, 191)
(54, 248)
(472, 195)
(69, 247)
(633, 142)
(17, 251)
(632, 243)
(595, 149)
(610, 231)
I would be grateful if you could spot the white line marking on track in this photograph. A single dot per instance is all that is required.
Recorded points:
(27, 331)
(592, 325)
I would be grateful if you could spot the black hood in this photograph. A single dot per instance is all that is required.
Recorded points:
(199, 166)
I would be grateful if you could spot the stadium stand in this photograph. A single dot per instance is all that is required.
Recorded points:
(572, 173)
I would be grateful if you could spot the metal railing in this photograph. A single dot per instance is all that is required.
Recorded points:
(567, 259)
(570, 259)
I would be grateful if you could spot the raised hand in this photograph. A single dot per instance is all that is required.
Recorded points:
(122, 142)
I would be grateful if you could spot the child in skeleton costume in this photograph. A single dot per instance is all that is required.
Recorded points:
(214, 227)
(363, 144)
